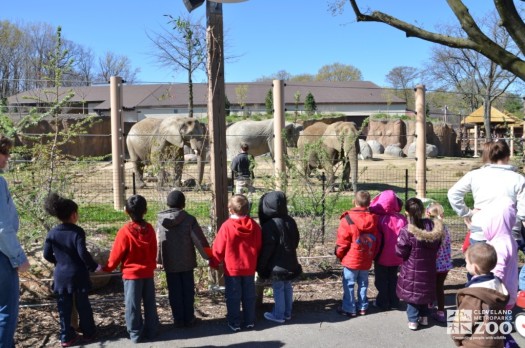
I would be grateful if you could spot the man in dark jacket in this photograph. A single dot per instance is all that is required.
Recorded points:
(278, 257)
(178, 234)
(241, 167)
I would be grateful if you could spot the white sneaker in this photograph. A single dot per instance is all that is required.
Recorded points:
(423, 321)
(413, 326)
(269, 316)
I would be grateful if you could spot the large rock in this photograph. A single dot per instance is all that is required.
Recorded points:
(365, 151)
(376, 146)
(431, 150)
(394, 150)
(388, 132)
(441, 135)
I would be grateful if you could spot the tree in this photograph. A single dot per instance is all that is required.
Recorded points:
(338, 72)
(303, 78)
(116, 65)
(297, 100)
(268, 102)
(473, 37)
(402, 79)
(182, 48)
(309, 104)
(241, 91)
(280, 75)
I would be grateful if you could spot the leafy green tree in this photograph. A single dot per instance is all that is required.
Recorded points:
(402, 79)
(268, 102)
(227, 105)
(338, 72)
(241, 91)
(309, 104)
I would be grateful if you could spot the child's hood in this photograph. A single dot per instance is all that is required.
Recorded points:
(171, 217)
(272, 205)
(423, 235)
(141, 233)
(363, 221)
(386, 202)
(498, 218)
(243, 226)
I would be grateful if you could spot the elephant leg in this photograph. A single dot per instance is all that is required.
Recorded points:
(178, 166)
(138, 169)
(346, 175)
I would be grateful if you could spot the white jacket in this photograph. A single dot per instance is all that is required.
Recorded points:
(487, 184)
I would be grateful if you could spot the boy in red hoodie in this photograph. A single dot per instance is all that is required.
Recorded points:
(356, 248)
(135, 248)
(237, 246)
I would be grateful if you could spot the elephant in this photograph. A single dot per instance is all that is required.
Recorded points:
(152, 139)
(323, 146)
(259, 136)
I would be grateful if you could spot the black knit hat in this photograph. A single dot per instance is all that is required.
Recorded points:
(176, 199)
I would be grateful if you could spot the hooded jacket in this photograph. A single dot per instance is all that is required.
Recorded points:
(487, 184)
(356, 244)
(496, 221)
(487, 301)
(237, 245)
(280, 235)
(135, 247)
(178, 234)
(390, 222)
(418, 248)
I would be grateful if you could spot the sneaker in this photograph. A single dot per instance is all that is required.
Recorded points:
(234, 328)
(439, 316)
(413, 326)
(249, 326)
(346, 314)
(269, 316)
(423, 321)
(362, 311)
(71, 342)
(288, 317)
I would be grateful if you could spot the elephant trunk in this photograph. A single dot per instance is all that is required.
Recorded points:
(201, 161)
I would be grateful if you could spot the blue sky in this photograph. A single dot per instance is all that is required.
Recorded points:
(298, 36)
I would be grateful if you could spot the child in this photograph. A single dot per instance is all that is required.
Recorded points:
(496, 222)
(65, 246)
(443, 261)
(418, 244)
(388, 206)
(178, 234)
(485, 295)
(237, 245)
(356, 248)
(135, 249)
(278, 258)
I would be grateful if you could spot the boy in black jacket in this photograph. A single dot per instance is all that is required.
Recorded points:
(278, 257)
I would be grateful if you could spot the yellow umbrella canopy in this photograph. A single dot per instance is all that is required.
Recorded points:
(496, 116)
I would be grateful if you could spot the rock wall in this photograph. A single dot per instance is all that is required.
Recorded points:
(388, 132)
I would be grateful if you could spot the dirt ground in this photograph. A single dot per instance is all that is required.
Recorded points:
(319, 288)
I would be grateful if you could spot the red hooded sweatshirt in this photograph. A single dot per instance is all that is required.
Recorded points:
(136, 248)
(237, 244)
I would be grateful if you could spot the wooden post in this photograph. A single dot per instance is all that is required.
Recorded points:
(278, 126)
(217, 115)
(117, 141)
(421, 142)
(476, 131)
(511, 141)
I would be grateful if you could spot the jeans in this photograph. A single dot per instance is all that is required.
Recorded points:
(440, 290)
(385, 282)
(240, 289)
(9, 297)
(350, 278)
(85, 315)
(135, 292)
(283, 298)
(415, 311)
(181, 292)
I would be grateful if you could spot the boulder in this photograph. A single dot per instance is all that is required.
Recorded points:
(365, 151)
(388, 132)
(431, 150)
(394, 150)
(376, 146)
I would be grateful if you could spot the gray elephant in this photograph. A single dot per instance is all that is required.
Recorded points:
(323, 146)
(157, 140)
(259, 136)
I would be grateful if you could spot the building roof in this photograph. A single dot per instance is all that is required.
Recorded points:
(496, 116)
(176, 95)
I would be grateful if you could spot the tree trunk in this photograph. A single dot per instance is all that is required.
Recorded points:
(486, 117)
(190, 94)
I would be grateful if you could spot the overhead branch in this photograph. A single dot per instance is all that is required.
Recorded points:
(512, 21)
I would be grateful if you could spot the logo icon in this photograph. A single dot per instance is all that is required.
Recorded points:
(460, 321)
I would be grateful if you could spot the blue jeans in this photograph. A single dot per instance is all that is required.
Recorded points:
(9, 297)
(415, 311)
(350, 278)
(385, 281)
(137, 291)
(85, 315)
(283, 298)
(181, 292)
(240, 289)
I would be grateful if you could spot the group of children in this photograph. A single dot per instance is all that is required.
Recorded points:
(241, 247)
(417, 245)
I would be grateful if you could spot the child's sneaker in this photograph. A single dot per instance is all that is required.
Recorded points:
(423, 321)
(234, 328)
(71, 342)
(413, 326)
(269, 316)
(362, 311)
(439, 316)
(346, 314)
(289, 317)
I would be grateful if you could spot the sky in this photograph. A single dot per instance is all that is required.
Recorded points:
(299, 36)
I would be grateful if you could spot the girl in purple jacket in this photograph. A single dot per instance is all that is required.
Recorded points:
(417, 245)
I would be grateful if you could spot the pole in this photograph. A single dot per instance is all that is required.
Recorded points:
(476, 141)
(421, 142)
(278, 126)
(117, 137)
